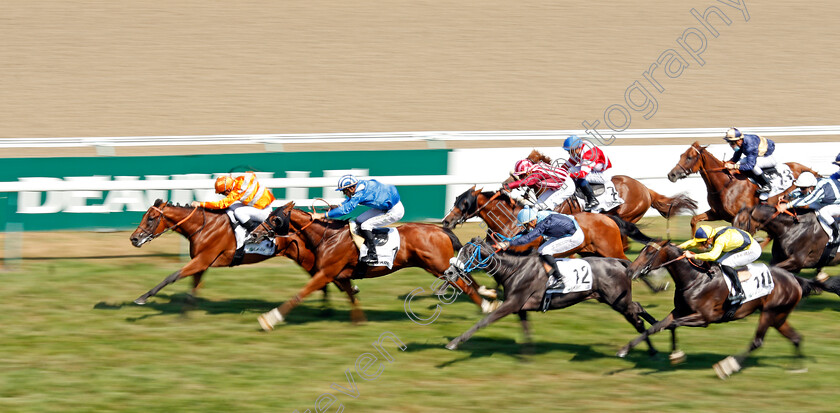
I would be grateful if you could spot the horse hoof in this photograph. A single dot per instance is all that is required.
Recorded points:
(623, 352)
(677, 357)
(452, 346)
(727, 367)
(487, 293)
(822, 277)
(489, 306)
(140, 301)
(270, 319)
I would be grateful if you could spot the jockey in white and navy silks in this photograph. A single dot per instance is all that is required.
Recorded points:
(821, 195)
(561, 232)
(542, 176)
(584, 159)
(384, 203)
(757, 153)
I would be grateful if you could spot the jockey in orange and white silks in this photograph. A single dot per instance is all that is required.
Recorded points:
(244, 195)
(542, 176)
(584, 159)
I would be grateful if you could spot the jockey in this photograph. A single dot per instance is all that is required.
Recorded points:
(585, 158)
(244, 195)
(757, 152)
(562, 234)
(730, 247)
(822, 195)
(542, 175)
(384, 203)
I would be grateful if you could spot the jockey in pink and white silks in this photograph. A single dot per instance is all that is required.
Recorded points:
(587, 163)
(542, 176)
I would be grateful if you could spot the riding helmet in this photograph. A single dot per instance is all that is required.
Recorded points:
(224, 184)
(346, 181)
(732, 135)
(572, 142)
(703, 232)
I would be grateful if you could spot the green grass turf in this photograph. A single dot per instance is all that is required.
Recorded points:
(72, 341)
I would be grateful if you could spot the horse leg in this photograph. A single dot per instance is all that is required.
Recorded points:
(631, 314)
(676, 356)
(526, 329)
(277, 315)
(794, 337)
(733, 364)
(506, 308)
(195, 266)
(356, 313)
(485, 305)
(669, 322)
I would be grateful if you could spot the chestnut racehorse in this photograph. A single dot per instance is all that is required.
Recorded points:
(728, 192)
(700, 300)
(336, 256)
(637, 198)
(212, 243)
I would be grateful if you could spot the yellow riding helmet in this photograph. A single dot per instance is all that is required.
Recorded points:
(224, 184)
(703, 232)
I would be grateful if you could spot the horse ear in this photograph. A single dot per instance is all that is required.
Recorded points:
(476, 191)
(288, 207)
(158, 202)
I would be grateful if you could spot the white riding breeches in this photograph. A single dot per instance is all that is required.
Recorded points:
(763, 162)
(553, 197)
(598, 175)
(828, 213)
(244, 213)
(742, 258)
(376, 218)
(560, 245)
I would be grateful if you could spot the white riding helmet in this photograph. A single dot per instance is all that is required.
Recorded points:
(805, 180)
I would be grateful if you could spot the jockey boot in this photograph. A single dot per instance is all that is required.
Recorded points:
(737, 296)
(589, 194)
(555, 280)
(835, 229)
(371, 246)
(763, 183)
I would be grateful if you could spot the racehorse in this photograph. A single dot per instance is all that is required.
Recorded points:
(799, 240)
(638, 198)
(421, 245)
(728, 191)
(700, 300)
(212, 243)
(524, 276)
(602, 234)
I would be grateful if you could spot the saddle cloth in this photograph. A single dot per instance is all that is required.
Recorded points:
(386, 248)
(576, 273)
(780, 178)
(606, 195)
(266, 247)
(756, 281)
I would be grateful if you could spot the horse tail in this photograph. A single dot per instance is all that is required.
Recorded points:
(456, 243)
(630, 229)
(669, 207)
(809, 286)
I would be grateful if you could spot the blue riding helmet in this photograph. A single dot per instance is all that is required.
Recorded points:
(732, 135)
(572, 142)
(346, 181)
(703, 232)
(837, 160)
(526, 215)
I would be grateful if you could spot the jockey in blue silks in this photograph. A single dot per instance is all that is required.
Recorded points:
(822, 195)
(562, 234)
(384, 203)
(757, 153)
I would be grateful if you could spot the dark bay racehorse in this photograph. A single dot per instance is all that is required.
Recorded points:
(421, 245)
(701, 300)
(798, 240)
(524, 276)
(728, 191)
(638, 198)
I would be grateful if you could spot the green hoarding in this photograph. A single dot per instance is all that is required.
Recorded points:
(123, 209)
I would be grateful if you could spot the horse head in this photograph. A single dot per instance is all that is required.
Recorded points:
(651, 257)
(466, 204)
(151, 226)
(744, 220)
(536, 156)
(689, 163)
(276, 225)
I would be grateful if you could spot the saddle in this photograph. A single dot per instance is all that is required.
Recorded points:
(597, 189)
(770, 171)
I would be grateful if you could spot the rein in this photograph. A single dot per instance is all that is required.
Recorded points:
(177, 224)
(477, 210)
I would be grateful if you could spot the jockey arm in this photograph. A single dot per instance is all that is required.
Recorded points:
(528, 237)
(689, 244)
(816, 199)
(729, 237)
(346, 207)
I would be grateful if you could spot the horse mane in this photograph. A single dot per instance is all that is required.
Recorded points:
(505, 197)
(536, 156)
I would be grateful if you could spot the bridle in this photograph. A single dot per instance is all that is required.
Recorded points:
(767, 221)
(465, 217)
(150, 235)
(648, 267)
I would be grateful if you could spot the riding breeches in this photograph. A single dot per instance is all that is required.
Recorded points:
(599, 174)
(741, 258)
(828, 214)
(377, 218)
(560, 245)
(763, 162)
(244, 213)
(551, 198)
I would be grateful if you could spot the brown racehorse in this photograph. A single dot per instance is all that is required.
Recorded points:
(728, 192)
(212, 243)
(421, 245)
(701, 300)
(638, 198)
